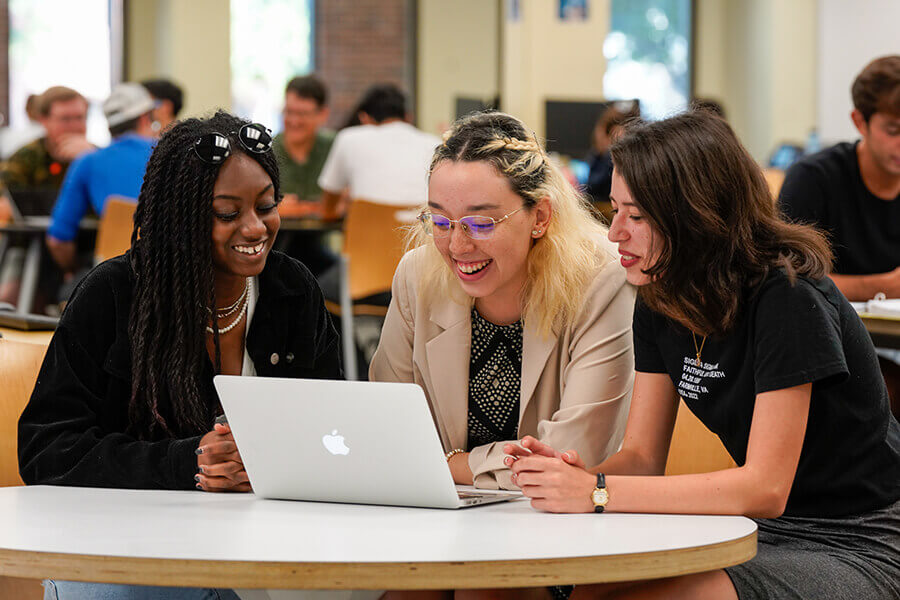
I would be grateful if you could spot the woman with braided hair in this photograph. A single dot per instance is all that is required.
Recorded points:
(511, 311)
(125, 395)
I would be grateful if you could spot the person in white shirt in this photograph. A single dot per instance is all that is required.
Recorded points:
(384, 160)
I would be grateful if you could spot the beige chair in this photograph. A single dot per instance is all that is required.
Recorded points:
(114, 230)
(774, 177)
(373, 246)
(694, 448)
(19, 366)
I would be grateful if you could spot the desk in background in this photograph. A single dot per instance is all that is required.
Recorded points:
(240, 541)
(29, 337)
(36, 229)
(885, 331)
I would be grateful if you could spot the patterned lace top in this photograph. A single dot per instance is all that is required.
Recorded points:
(495, 374)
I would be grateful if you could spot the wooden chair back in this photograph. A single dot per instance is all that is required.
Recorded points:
(774, 177)
(694, 448)
(373, 245)
(19, 366)
(114, 230)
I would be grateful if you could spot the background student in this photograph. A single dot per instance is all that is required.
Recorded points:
(736, 314)
(852, 191)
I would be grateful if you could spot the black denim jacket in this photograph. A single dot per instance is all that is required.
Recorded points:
(73, 431)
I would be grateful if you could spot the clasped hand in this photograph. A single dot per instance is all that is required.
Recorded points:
(219, 465)
(555, 481)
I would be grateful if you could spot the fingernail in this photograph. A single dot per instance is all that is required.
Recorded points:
(567, 455)
(197, 478)
(199, 487)
(199, 450)
(202, 469)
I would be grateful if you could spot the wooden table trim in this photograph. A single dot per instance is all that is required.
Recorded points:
(884, 330)
(408, 575)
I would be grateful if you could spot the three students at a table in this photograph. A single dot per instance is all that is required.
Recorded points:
(552, 349)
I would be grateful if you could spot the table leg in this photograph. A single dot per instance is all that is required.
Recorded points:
(30, 276)
(4, 245)
(348, 339)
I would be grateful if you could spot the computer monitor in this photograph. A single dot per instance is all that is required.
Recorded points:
(466, 105)
(570, 124)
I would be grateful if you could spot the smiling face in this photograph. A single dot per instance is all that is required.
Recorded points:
(245, 218)
(65, 117)
(632, 232)
(302, 118)
(494, 270)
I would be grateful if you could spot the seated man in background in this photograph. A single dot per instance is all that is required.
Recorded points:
(117, 170)
(43, 163)
(852, 191)
(169, 101)
(384, 160)
(34, 174)
(304, 144)
(301, 149)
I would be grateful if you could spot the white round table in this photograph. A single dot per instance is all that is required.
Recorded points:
(240, 541)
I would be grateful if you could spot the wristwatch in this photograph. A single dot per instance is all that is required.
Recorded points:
(600, 495)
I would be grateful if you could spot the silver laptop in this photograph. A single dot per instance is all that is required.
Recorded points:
(341, 441)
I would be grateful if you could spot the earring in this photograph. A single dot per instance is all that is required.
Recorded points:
(535, 232)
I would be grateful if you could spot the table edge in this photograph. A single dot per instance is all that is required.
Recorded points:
(390, 575)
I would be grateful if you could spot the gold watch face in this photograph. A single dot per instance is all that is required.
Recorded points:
(600, 497)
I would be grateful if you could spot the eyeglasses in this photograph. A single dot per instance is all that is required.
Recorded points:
(477, 227)
(213, 148)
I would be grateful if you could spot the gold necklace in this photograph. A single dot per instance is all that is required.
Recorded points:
(700, 349)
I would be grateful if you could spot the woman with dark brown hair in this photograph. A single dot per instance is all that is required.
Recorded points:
(737, 315)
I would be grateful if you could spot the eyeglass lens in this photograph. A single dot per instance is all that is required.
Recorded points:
(214, 148)
(255, 138)
(475, 226)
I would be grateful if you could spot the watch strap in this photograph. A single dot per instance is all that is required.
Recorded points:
(601, 485)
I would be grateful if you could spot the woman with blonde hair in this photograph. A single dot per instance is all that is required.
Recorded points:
(510, 311)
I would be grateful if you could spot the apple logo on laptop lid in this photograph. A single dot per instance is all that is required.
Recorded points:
(334, 443)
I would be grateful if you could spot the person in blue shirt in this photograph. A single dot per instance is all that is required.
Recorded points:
(117, 170)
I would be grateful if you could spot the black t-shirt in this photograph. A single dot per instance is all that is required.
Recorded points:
(790, 335)
(599, 177)
(827, 190)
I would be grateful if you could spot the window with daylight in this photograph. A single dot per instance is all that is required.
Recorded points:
(60, 42)
(271, 42)
(648, 53)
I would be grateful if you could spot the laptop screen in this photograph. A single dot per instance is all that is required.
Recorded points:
(34, 202)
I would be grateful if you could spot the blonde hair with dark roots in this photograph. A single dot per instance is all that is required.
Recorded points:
(564, 261)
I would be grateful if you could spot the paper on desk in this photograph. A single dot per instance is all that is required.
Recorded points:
(886, 308)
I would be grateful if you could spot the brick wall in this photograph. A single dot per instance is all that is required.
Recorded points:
(362, 42)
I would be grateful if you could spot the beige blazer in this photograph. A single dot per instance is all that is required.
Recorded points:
(575, 386)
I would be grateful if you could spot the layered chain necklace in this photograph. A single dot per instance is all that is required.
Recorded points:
(239, 306)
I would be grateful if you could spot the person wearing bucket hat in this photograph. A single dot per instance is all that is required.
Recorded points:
(117, 170)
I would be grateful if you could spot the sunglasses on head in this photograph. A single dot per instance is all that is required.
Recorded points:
(213, 148)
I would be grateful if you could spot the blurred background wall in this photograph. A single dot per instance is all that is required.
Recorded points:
(780, 68)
